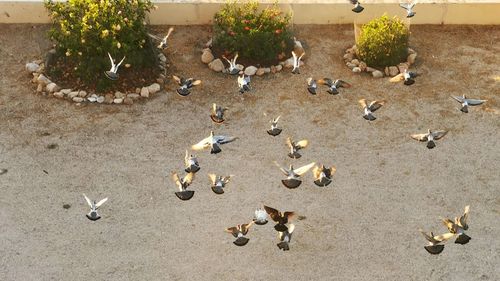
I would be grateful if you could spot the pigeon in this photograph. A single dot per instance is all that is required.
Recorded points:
(185, 84)
(260, 217)
(409, 8)
(243, 82)
(163, 41)
(434, 246)
(458, 226)
(239, 231)
(3, 171)
(213, 142)
(333, 85)
(280, 218)
(295, 147)
(466, 102)
(293, 179)
(409, 77)
(369, 109)
(93, 215)
(217, 114)
(191, 163)
(274, 131)
(285, 237)
(312, 85)
(429, 137)
(112, 73)
(233, 69)
(323, 175)
(182, 184)
(219, 182)
(296, 62)
(357, 6)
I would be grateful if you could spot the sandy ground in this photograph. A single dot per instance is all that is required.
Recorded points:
(364, 226)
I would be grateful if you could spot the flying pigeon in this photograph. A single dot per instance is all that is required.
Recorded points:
(466, 102)
(260, 217)
(274, 131)
(217, 114)
(357, 6)
(434, 246)
(239, 231)
(163, 41)
(458, 227)
(182, 184)
(243, 83)
(219, 182)
(323, 175)
(280, 218)
(295, 147)
(185, 84)
(233, 69)
(429, 137)
(409, 8)
(369, 109)
(296, 62)
(333, 85)
(93, 215)
(285, 237)
(312, 85)
(213, 142)
(409, 77)
(293, 179)
(191, 163)
(112, 73)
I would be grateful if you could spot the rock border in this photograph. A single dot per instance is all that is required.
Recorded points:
(46, 87)
(217, 65)
(358, 66)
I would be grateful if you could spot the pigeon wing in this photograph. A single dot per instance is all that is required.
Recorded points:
(302, 170)
(419, 137)
(302, 144)
(443, 237)
(463, 219)
(289, 216)
(404, 6)
(177, 79)
(362, 102)
(374, 105)
(213, 178)
(341, 83)
(283, 170)
(439, 134)
(474, 101)
(88, 200)
(196, 82)
(325, 81)
(101, 202)
(273, 213)
(316, 172)
(459, 99)
(233, 230)
(202, 144)
(188, 179)
(246, 227)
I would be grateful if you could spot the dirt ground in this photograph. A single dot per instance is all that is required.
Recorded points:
(364, 226)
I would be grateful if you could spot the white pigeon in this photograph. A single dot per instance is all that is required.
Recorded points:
(260, 217)
(429, 137)
(435, 247)
(368, 109)
(93, 215)
(213, 142)
(409, 8)
(243, 82)
(357, 6)
(233, 69)
(112, 73)
(294, 179)
(467, 102)
(274, 131)
(163, 41)
(296, 62)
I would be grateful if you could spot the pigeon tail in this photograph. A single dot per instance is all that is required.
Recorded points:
(217, 189)
(183, 92)
(462, 239)
(323, 182)
(434, 249)
(369, 117)
(260, 222)
(431, 144)
(93, 216)
(283, 246)
(358, 9)
(111, 75)
(215, 149)
(332, 91)
(291, 183)
(311, 90)
(274, 132)
(241, 241)
(192, 169)
(409, 82)
(294, 155)
(185, 195)
(216, 119)
(280, 227)
(465, 109)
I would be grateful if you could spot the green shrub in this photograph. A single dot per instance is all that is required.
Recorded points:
(383, 42)
(86, 30)
(255, 35)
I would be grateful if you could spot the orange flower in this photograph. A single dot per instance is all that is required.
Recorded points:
(278, 31)
(247, 28)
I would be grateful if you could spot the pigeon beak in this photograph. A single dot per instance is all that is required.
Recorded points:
(185, 195)
(291, 183)
(435, 249)
(241, 241)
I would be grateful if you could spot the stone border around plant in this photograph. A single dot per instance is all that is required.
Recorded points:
(217, 65)
(47, 87)
(358, 66)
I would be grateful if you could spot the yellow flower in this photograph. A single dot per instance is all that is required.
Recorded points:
(118, 45)
(105, 33)
(83, 41)
(68, 53)
(79, 53)
(117, 27)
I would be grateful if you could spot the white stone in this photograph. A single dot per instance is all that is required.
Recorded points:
(144, 92)
(260, 72)
(82, 94)
(348, 57)
(59, 95)
(100, 99)
(77, 99)
(207, 56)
(355, 62)
(52, 87)
(119, 95)
(216, 65)
(350, 65)
(66, 91)
(73, 94)
(393, 71)
(162, 57)
(362, 65)
(209, 43)
(411, 51)
(32, 67)
(118, 101)
(370, 69)
(356, 69)
(240, 66)
(267, 69)
(250, 70)
(133, 96)
(279, 67)
(154, 88)
(39, 88)
(411, 58)
(377, 74)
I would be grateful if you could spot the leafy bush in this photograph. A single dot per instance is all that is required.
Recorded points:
(86, 30)
(383, 42)
(256, 35)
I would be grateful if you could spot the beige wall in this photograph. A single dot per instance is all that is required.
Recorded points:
(190, 12)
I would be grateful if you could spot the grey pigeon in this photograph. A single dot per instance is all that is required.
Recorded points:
(459, 226)
(430, 137)
(312, 86)
(293, 176)
(112, 73)
(93, 215)
(219, 182)
(182, 185)
(295, 147)
(243, 83)
(368, 109)
(191, 163)
(333, 86)
(357, 6)
(409, 8)
(213, 142)
(435, 247)
(322, 175)
(467, 102)
(185, 84)
(274, 131)
(217, 113)
(233, 69)
(239, 231)
(285, 237)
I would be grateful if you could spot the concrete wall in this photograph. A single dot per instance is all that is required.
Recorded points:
(192, 12)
